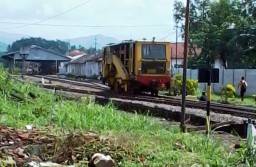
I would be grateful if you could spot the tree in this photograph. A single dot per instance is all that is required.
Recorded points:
(216, 28)
(81, 48)
(73, 47)
(56, 46)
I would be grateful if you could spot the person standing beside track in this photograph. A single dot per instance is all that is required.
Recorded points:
(242, 85)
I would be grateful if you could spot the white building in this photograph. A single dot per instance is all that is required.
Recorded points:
(86, 65)
(177, 52)
(218, 63)
(63, 66)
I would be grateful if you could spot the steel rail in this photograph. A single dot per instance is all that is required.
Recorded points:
(247, 112)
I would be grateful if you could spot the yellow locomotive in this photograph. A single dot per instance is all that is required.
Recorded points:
(137, 66)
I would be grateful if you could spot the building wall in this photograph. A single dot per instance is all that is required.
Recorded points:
(38, 54)
(92, 69)
(219, 64)
(62, 68)
(74, 69)
(226, 76)
(88, 69)
(83, 69)
(173, 62)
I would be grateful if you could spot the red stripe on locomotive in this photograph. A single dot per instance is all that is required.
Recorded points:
(161, 80)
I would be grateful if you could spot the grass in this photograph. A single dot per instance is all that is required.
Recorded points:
(146, 141)
(248, 100)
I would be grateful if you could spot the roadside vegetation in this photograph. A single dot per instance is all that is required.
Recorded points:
(249, 101)
(233, 99)
(228, 94)
(236, 100)
(133, 140)
(222, 29)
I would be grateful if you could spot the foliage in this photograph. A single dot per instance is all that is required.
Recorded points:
(191, 85)
(56, 46)
(81, 48)
(236, 101)
(221, 28)
(71, 75)
(228, 92)
(197, 61)
(254, 97)
(151, 142)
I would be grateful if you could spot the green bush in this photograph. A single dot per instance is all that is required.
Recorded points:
(228, 92)
(191, 85)
(254, 97)
(71, 75)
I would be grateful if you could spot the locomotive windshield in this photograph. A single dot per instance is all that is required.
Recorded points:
(153, 51)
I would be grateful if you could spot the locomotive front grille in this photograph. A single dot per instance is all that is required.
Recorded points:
(153, 67)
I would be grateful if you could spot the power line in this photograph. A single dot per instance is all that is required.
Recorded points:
(49, 18)
(95, 43)
(167, 35)
(76, 25)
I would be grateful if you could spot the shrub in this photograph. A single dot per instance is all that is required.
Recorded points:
(71, 75)
(191, 85)
(254, 97)
(228, 92)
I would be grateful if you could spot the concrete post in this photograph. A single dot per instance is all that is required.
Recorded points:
(23, 66)
(223, 73)
(233, 77)
(56, 67)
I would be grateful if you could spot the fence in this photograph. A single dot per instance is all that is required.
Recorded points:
(226, 76)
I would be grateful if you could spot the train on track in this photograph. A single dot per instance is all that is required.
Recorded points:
(137, 66)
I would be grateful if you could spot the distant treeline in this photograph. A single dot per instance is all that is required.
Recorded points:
(58, 46)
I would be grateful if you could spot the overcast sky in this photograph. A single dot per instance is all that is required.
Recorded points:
(89, 13)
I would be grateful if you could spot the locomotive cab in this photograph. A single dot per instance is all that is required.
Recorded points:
(138, 66)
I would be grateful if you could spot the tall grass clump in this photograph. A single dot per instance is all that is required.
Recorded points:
(49, 109)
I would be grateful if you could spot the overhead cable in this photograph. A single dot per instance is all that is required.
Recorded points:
(76, 25)
(49, 18)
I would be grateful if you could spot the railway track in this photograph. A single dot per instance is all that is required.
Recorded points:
(246, 112)
(73, 82)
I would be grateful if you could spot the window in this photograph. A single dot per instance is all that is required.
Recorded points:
(153, 68)
(153, 51)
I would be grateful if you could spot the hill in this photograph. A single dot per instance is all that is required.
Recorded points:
(89, 41)
(86, 41)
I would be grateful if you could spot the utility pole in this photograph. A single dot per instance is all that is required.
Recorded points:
(183, 99)
(176, 45)
(208, 93)
(208, 89)
(95, 43)
(24, 52)
(203, 9)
